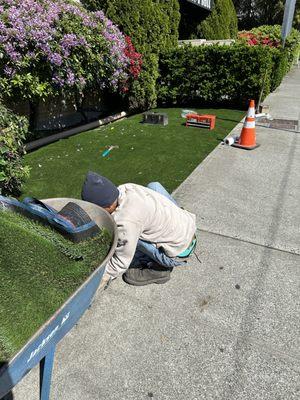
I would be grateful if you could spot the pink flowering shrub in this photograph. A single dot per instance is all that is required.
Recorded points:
(56, 46)
(268, 37)
(254, 39)
(135, 58)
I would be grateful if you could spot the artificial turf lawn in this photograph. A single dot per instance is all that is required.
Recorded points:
(39, 270)
(146, 153)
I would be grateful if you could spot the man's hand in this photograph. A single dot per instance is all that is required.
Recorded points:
(105, 281)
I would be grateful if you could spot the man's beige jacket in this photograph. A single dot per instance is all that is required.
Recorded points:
(144, 214)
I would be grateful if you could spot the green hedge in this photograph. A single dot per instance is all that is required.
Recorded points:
(151, 24)
(142, 95)
(218, 75)
(197, 22)
(12, 133)
(292, 44)
(227, 75)
(281, 66)
(153, 28)
(270, 36)
(222, 23)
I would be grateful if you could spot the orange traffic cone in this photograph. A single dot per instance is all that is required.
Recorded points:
(247, 139)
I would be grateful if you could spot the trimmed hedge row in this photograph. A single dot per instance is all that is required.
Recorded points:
(283, 59)
(270, 36)
(227, 75)
(12, 134)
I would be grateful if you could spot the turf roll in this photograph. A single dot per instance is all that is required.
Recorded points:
(39, 271)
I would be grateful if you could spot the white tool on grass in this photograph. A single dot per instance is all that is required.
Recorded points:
(107, 151)
(184, 113)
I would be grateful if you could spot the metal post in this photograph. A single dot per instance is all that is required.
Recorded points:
(287, 19)
(262, 90)
(46, 367)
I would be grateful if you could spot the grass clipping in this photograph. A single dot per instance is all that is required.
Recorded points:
(39, 270)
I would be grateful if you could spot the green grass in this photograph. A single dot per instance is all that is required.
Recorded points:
(39, 270)
(146, 153)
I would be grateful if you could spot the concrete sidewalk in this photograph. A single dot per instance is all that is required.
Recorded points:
(226, 327)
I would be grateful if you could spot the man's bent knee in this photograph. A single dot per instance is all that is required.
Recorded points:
(154, 185)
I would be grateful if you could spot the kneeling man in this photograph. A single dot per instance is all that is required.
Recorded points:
(154, 234)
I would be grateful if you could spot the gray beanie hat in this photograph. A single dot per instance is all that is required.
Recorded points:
(99, 190)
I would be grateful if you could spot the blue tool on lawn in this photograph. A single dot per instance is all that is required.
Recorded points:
(40, 349)
(107, 151)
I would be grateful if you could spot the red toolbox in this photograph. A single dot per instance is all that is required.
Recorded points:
(201, 121)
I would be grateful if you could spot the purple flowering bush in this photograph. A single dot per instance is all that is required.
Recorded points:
(53, 47)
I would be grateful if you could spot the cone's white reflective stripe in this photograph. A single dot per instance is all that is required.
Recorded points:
(251, 112)
(249, 124)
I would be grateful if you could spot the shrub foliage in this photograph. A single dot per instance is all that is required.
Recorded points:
(219, 74)
(52, 47)
(270, 36)
(222, 23)
(228, 75)
(12, 133)
(153, 28)
(261, 12)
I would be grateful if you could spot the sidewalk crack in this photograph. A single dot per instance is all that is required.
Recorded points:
(249, 242)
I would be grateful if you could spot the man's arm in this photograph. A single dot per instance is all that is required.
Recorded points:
(128, 236)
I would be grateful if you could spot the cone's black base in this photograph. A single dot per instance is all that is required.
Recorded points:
(245, 147)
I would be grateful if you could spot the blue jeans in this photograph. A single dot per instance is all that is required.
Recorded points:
(146, 251)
